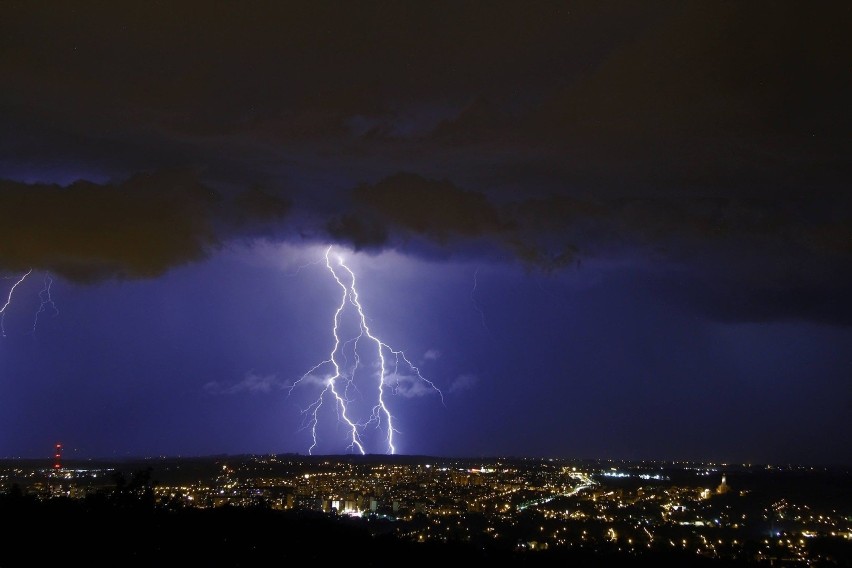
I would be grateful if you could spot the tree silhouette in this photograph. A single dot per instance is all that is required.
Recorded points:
(138, 493)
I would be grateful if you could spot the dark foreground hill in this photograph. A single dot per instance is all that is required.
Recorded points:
(108, 532)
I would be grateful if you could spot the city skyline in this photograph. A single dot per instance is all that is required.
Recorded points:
(540, 511)
(591, 230)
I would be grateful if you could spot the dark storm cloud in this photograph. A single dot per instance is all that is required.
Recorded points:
(436, 208)
(440, 210)
(731, 258)
(256, 212)
(362, 230)
(819, 225)
(703, 95)
(297, 69)
(407, 205)
(138, 228)
(551, 132)
(607, 97)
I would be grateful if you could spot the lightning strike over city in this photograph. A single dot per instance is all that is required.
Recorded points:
(612, 230)
(350, 369)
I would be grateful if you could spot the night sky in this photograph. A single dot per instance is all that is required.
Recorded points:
(595, 229)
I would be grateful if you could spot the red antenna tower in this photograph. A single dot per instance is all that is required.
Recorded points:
(57, 457)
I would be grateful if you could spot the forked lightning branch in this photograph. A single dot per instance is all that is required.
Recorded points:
(360, 373)
(45, 299)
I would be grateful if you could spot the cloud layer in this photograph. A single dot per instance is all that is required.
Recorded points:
(712, 134)
(139, 228)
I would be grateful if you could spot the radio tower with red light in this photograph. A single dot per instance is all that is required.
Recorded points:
(57, 457)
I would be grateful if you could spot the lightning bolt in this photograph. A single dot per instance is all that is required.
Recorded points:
(9, 301)
(339, 386)
(45, 299)
(475, 303)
